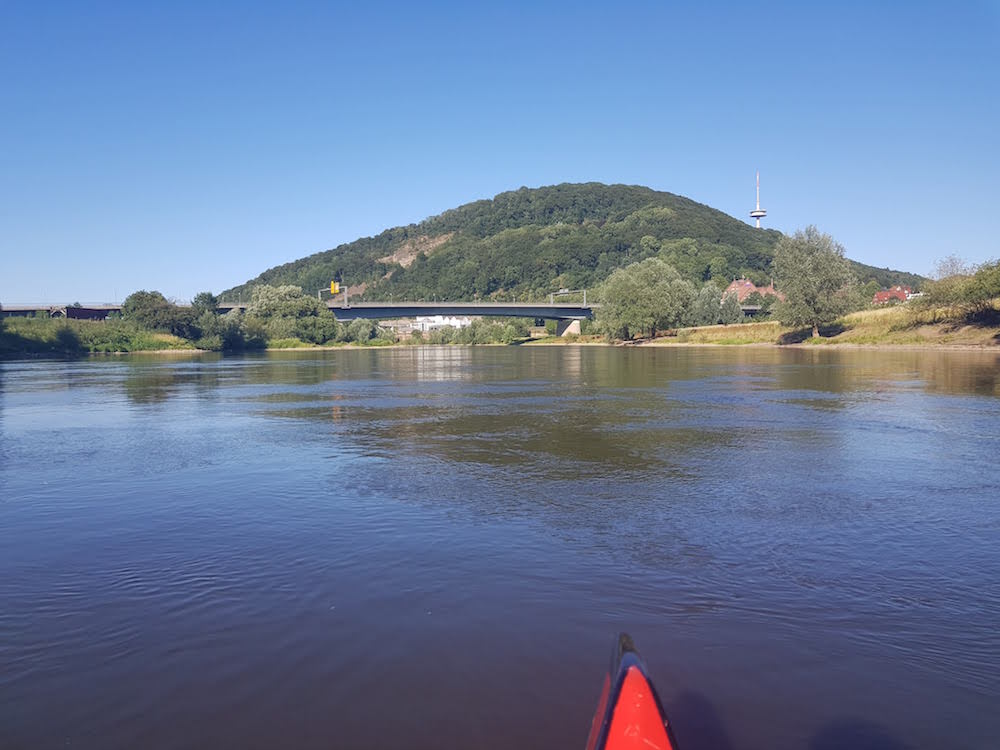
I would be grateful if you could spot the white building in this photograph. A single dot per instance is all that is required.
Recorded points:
(430, 322)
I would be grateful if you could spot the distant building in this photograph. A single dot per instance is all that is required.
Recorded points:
(895, 294)
(402, 327)
(743, 288)
(426, 323)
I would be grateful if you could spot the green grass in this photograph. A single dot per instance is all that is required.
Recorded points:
(727, 335)
(289, 343)
(21, 337)
(901, 325)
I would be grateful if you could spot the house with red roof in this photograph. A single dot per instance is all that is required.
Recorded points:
(895, 294)
(743, 288)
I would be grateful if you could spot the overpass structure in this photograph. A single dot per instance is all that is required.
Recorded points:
(377, 310)
(567, 316)
(368, 310)
(73, 312)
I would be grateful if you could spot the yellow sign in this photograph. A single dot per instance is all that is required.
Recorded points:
(334, 287)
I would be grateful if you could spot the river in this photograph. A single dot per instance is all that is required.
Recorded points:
(433, 547)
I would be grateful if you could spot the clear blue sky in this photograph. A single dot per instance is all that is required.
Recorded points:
(188, 146)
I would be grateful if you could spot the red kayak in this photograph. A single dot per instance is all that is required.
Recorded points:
(629, 715)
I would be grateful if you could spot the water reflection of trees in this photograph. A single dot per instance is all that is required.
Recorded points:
(837, 370)
(816, 369)
(152, 379)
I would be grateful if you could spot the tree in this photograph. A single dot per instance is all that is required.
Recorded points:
(205, 302)
(153, 311)
(984, 287)
(816, 278)
(962, 284)
(643, 297)
(707, 306)
(284, 301)
(970, 290)
(286, 312)
(731, 311)
(361, 330)
(952, 265)
(146, 309)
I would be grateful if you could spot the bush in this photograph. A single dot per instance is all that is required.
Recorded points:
(970, 292)
(361, 331)
(289, 343)
(210, 343)
(75, 337)
(153, 311)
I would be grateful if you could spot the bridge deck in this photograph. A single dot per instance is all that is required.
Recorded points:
(375, 310)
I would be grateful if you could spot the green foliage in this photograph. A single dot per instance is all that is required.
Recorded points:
(731, 311)
(883, 278)
(48, 336)
(361, 330)
(205, 302)
(145, 308)
(285, 312)
(707, 306)
(286, 301)
(484, 331)
(816, 278)
(985, 285)
(643, 297)
(289, 343)
(527, 242)
(766, 303)
(153, 311)
(968, 289)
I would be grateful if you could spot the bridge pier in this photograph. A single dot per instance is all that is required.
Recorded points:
(567, 327)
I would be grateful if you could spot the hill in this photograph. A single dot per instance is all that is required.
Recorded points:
(526, 243)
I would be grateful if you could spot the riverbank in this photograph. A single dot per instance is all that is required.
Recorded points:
(893, 327)
(897, 328)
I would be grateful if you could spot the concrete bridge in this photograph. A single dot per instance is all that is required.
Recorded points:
(371, 310)
(74, 312)
(567, 316)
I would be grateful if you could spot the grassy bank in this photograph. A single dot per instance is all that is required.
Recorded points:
(45, 337)
(904, 325)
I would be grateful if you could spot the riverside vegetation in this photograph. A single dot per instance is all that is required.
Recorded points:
(663, 267)
(961, 306)
(648, 300)
(824, 302)
(277, 317)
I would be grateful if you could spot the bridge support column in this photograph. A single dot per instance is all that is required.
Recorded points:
(567, 327)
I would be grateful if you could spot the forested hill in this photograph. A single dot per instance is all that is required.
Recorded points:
(526, 243)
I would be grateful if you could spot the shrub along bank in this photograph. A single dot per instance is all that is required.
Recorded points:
(276, 317)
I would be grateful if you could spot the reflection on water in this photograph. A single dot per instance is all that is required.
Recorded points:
(151, 379)
(270, 550)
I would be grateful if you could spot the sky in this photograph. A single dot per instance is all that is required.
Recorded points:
(189, 146)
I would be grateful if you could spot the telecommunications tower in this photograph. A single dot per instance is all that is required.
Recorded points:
(758, 213)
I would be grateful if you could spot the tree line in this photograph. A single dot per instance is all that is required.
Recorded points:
(809, 267)
(275, 316)
(818, 282)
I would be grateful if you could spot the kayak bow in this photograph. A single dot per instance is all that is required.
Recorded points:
(629, 714)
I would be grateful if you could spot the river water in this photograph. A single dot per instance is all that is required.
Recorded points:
(434, 547)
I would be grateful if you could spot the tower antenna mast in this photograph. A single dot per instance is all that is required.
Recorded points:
(758, 213)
